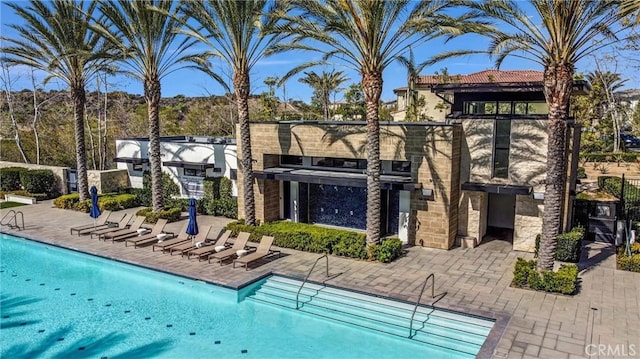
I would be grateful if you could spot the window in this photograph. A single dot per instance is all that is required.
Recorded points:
(537, 108)
(502, 140)
(401, 166)
(137, 167)
(346, 163)
(291, 160)
(233, 174)
(194, 172)
(504, 108)
(480, 108)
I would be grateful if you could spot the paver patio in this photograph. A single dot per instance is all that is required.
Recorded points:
(606, 311)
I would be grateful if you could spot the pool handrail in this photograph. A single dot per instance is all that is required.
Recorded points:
(325, 256)
(424, 286)
(14, 218)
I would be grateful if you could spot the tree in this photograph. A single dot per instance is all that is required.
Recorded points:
(603, 86)
(413, 72)
(353, 108)
(7, 88)
(367, 35)
(238, 32)
(565, 32)
(148, 34)
(323, 86)
(58, 38)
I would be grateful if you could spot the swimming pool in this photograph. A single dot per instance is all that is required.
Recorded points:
(58, 303)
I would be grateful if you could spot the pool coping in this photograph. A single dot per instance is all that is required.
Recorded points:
(488, 348)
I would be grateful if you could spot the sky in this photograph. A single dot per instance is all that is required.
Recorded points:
(189, 82)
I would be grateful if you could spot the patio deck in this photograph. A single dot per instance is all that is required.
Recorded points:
(541, 325)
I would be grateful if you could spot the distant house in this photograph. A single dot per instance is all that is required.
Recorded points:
(478, 171)
(189, 160)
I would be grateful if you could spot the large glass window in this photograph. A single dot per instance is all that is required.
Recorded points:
(502, 140)
(346, 163)
(505, 108)
(480, 108)
(291, 160)
(194, 172)
(401, 166)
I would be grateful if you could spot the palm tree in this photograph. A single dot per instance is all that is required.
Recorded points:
(237, 32)
(58, 38)
(367, 35)
(324, 85)
(148, 33)
(566, 32)
(413, 72)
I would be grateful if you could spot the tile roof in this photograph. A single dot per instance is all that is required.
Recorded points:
(487, 77)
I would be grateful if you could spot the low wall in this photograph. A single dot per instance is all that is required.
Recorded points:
(59, 172)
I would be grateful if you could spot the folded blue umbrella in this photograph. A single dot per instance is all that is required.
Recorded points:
(192, 227)
(95, 210)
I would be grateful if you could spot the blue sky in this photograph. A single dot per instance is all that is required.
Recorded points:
(193, 83)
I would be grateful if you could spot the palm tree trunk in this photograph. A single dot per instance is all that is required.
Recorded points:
(241, 85)
(152, 96)
(558, 82)
(372, 89)
(79, 99)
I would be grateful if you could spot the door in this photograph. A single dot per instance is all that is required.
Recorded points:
(502, 211)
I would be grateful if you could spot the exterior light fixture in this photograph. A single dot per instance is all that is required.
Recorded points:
(428, 192)
(538, 195)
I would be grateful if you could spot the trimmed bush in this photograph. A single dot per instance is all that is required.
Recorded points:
(170, 214)
(145, 197)
(67, 201)
(582, 173)
(218, 199)
(386, 251)
(38, 181)
(563, 281)
(568, 247)
(310, 238)
(10, 178)
(631, 264)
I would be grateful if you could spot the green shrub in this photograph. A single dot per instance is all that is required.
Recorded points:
(387, 251)
(610, 156)
(10, 178)
(310, 238)
(582, 173)
(218, 199)
(631, 263)
(170, 214)
(67, 201)
(38, 181)
(563, 281)
(145, 197)
(568, 246)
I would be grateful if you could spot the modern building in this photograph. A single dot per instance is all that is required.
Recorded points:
(478, 171)
(187, 159)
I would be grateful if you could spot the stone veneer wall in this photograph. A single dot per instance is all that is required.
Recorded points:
(527, 224)
(430, 148)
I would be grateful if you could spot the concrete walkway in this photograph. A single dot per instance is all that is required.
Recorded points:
(601, 321)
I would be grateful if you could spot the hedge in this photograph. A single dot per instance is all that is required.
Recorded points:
(563, 281)
(170, 214)
(145, 196)
(610, 156)
(568, 245)
(613, 186)
(218, 199)
(38, 181)
(629, 263)
(110, 202)
(316, 239)
(10, 178)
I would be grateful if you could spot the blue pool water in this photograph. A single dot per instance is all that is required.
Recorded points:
(58, 303)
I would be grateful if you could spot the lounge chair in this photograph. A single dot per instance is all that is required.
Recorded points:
(125, 233)
(191, 244)
(263, 250)
(124, 223)
(152, 237)
(218, 246)
(240, 243)
(102, 222)
(182, 238)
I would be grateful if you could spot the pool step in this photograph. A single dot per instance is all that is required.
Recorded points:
(456, 332)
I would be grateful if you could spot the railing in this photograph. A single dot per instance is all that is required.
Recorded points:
(14, 217)
(415, 308)
(308, 274)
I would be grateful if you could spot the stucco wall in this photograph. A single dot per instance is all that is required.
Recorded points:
(430, 149)
(429, 109)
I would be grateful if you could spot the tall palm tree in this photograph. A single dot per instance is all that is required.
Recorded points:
(565, 32)
(413, 72)
(238, 33)
(324, 85)
(57, 37)
(148, 33)
(367, 35)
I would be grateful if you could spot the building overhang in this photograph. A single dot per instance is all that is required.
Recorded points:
(337, 178)
(496, 188)
(191, 165)
(134, 160)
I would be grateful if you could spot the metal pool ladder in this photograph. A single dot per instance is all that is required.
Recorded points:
(424, 285)
(12, 216)
(325, 256)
